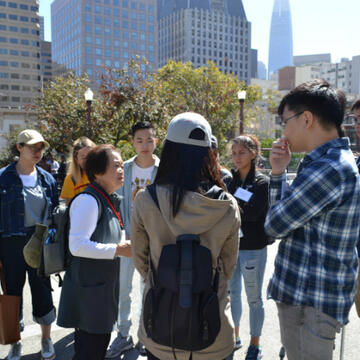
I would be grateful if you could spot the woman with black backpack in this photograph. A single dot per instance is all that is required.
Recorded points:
(185, 242)
(250, 187)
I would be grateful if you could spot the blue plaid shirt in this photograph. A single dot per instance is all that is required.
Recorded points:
(317, 219)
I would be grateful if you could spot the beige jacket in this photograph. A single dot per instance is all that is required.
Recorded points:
(217, 222)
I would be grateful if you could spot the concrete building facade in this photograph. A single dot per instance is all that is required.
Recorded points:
(202, 30)
(344, 75)
(46, 67)
(42, 28)
(300, 60)
(19, 52)
(89, 34)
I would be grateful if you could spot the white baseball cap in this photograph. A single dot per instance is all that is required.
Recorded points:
(182, 126)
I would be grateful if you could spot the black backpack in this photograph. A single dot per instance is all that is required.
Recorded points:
(55, 254)
(181, 309)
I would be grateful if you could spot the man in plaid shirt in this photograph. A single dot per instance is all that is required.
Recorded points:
(317, 220)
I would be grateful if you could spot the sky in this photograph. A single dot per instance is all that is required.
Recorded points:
(319, 26)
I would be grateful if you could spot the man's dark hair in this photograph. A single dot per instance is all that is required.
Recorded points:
(316, 96)
(356, 105)
(184, 167)
(140, 126)
(97, 160)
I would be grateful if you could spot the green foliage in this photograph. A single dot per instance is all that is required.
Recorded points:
(10, 152)
(205, 90)
(133, 94)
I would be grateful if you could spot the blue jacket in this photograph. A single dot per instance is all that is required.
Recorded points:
(12, 208)
(125, 191)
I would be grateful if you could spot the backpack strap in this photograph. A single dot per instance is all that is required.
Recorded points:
(186, 242)
(152, 190)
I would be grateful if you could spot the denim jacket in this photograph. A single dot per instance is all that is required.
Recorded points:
(12, 208)
(125, 191)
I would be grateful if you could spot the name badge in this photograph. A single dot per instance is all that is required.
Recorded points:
(243, 194)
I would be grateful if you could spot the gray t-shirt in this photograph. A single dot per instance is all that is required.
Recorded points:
(34, 200)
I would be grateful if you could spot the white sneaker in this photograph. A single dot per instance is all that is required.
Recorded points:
(119, 345)
(47, 349)
(15, 351)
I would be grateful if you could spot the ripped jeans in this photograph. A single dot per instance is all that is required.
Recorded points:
(250, 266)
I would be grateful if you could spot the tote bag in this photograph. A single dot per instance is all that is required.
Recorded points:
(9, 315)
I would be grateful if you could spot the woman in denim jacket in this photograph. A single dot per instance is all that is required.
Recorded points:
(28, 194)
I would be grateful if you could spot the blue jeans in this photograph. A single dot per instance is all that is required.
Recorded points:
(15, 269)
(250, 266)
(126, 277)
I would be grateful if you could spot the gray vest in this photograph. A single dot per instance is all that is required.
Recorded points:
(90, 293)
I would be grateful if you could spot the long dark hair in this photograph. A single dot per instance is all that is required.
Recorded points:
(185, 167)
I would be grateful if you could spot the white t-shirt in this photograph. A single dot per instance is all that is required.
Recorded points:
(140, 178)
(29, 180)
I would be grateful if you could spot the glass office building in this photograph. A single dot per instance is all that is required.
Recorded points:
(281, 38)
(90, 34)
(203, 30)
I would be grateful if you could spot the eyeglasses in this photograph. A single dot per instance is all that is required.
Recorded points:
(35, 149)
(285, 121)
(354, 118)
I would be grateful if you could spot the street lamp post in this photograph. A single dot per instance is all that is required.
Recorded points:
(89, 95)
(241, 96)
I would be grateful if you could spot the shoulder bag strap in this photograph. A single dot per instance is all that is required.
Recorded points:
(110, 204)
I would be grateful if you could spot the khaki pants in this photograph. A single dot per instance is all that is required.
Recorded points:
(306, 332)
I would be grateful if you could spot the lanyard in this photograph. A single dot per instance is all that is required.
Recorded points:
(110, 204)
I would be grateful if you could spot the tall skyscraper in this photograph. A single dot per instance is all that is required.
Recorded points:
(19, 52)
(281, 38)
(203, 30)
(89, 34)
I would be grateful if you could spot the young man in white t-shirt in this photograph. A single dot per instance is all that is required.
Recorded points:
(139, 172)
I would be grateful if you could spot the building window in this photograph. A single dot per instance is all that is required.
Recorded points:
(15, 17)
(4, 75)
(12, 5)
(24, 30)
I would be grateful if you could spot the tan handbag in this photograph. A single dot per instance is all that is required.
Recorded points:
(9, 315)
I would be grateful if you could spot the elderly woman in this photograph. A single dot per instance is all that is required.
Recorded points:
(90, 293)
(27, 197)
(191, 200)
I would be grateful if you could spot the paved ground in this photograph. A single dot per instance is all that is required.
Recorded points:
(63, 339)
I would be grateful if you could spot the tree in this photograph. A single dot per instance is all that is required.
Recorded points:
(205, 90)
(62, 112)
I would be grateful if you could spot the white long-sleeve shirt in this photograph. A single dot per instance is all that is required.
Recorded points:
(84, 212)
